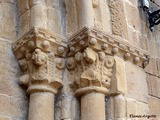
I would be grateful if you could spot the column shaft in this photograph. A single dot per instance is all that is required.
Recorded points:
(93, 106)
(41, 106)
(85, 13)
(38, 14)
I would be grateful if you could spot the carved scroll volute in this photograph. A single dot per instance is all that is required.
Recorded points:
(60, 65)
(90, 69)
(34, 66)
(24, 79)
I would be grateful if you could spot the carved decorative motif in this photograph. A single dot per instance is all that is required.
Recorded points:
(89, 68)
(91, 60)
(109, 44)
(40, 55)
(119, 26)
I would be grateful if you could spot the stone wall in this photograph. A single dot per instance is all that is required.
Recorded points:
(13, 100)
(142, 86)
(134, 89)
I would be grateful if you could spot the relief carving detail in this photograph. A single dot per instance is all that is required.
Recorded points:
(90, 68)
(41, 61)
(91, 60)
(119, 24)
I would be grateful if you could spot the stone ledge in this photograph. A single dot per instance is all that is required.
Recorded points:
(35, 38)
(85, 37)
(108, 43)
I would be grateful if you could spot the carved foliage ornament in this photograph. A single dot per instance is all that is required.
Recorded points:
(41, 68)
(89, 61)
(90, 68)
(42, 64)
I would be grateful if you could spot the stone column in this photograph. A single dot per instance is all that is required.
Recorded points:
(91, 82)
(66, 107)
(92, 63)
(42, 63)
(93, 106)
(41, 106)
(38, 13)
(85, 13)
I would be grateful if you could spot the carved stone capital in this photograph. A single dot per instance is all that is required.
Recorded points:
(40, 55)
(91, 60)
(90, 71)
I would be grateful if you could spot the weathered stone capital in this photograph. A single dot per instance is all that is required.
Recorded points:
(40, 55)
(92, 71)
(91, 60)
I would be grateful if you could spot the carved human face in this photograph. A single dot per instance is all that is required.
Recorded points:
(39, 57)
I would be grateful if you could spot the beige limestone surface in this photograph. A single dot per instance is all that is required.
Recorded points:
(78, 60)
